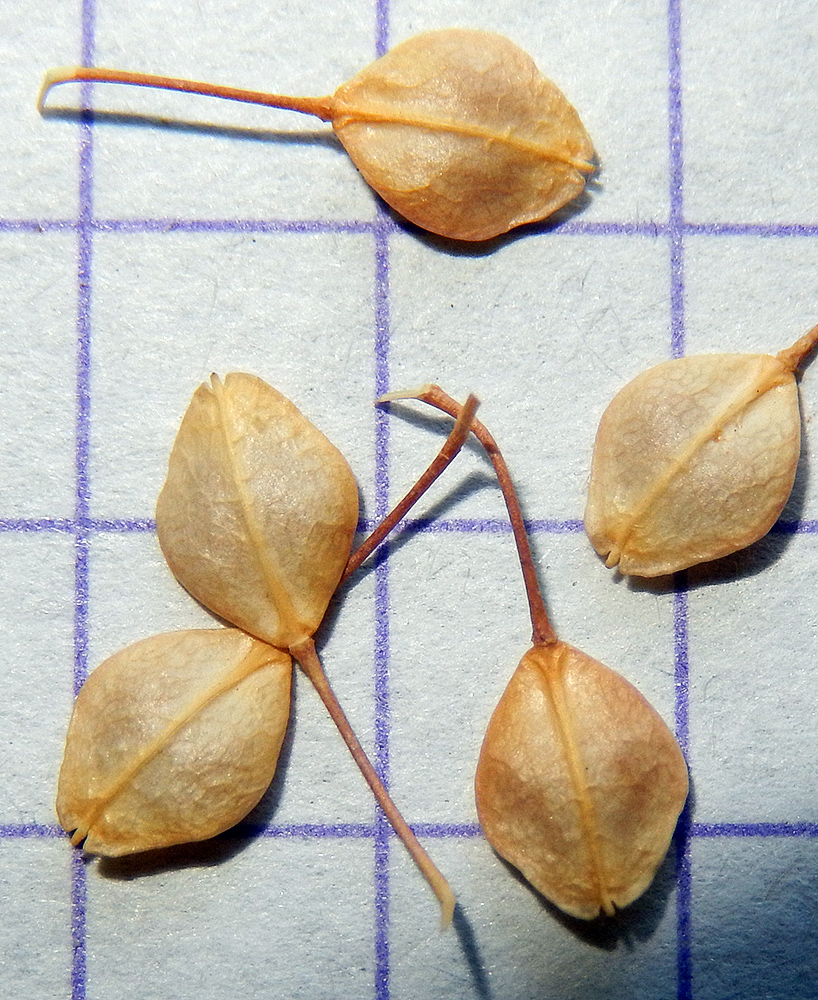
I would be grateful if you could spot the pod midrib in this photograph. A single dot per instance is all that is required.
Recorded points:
(554, 675)
(356, 115)
(257, 657)
(742, 400)
(278, 595)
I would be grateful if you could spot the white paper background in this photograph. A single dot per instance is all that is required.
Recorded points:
(545, 326)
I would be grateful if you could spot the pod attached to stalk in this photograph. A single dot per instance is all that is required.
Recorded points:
(694, 459)
(456, 129)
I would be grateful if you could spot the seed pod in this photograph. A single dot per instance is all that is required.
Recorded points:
(258, 512)
(256, 519)
(173, 739)
(456, 129)
(459, 132)
(579, 782)
(695, 459)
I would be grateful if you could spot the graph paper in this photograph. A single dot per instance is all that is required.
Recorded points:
(165, 237)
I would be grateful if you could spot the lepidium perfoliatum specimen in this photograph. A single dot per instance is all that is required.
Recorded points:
(176, 738)
(579, 783)
(695, 459)
(456, 129)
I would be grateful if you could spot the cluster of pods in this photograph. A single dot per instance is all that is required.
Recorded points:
(579, 782)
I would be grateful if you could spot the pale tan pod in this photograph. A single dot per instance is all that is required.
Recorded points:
(694, 459)
(459, 132)
(258, 512)
(173, 739)
(579, 783)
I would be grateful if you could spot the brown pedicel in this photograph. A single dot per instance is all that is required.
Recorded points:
(456, 129)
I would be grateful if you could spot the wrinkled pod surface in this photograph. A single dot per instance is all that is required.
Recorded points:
(579, 783)
(173, 739)
(456, 129)
(694, 459)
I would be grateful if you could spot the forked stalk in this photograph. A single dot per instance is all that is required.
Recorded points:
(309, 661)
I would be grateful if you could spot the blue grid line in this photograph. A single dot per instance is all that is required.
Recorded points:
(246, 830)
(676, 163)
(681, 663)
(684, 880)
(79, 951)
(83, 526)
(709, 830)
(420, 525)
(79, 887)
(684, 898)
(25, 831)
(677, 228)
(680, 605)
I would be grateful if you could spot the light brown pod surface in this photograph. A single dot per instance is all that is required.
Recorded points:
(579, 783)
(173, 739)
(694, 459)
(459, 132)
(258, 512)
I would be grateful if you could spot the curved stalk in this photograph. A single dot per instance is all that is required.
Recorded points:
(308, 660)
(451, 446)
(542, 631)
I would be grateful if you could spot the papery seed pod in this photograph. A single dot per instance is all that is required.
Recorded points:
(695, 459)
(173, 739)
(456, 129)
(459, 132)
(579, 783)
(258, 512)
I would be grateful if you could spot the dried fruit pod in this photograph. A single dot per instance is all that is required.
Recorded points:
(579, 783)
(258, 512)
(695, 459)
(460, 132)
(456, 129)
(173, 739)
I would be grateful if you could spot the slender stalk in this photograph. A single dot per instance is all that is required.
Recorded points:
(794, 356)
(321, 107)
(309, 662)
(542, 631)
(452, 445)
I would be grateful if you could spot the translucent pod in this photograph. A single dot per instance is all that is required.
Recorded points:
(173, 739)
(256, 519)
(579, 783)
(695, 459)
(258, 513)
